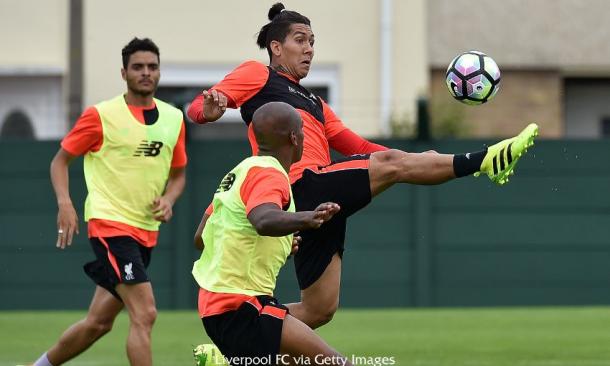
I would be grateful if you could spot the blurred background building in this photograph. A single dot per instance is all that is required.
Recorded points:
(373, 60)
(61, 55)
(444, 245)
(554, 57)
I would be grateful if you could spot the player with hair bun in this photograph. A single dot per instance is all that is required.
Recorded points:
(366, 170)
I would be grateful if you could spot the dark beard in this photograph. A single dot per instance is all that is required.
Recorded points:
(142, 93)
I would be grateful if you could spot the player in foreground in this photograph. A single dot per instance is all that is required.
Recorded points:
(350, 182)
(134, 168)
(247, 235)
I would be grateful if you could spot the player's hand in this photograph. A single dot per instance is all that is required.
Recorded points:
(296, 241)
(67, 225)
(162, 209)
(214, 105)
(323, 213)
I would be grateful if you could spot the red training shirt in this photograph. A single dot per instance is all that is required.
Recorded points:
(248, 79)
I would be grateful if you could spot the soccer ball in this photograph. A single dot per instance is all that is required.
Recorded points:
(208, 355)
(473, 78)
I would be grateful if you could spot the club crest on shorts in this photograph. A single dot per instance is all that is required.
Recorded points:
(129, 272)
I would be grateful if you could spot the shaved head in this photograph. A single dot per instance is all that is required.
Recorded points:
(278, 129)
(273, 122)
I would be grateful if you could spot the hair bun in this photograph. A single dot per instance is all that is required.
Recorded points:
(275, 10)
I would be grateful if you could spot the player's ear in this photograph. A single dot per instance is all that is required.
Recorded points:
(293, 138)
(124, 74)
(276, 48)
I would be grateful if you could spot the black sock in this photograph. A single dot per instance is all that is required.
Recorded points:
(466, 164)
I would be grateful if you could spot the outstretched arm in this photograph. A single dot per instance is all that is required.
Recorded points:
(264, 192)
(209, 106)
(236, 88)
(348, 143)
(270, 220)
(67, 219)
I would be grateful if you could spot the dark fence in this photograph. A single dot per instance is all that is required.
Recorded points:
(542, 239)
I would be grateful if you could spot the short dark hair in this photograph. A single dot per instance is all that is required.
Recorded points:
(279, 26)
(137, 44)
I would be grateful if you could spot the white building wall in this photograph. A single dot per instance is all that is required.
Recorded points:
(200, 34)
(33, 63)
(410, 59)
(203, 34)
(33, 35)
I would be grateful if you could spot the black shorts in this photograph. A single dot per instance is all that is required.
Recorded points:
(120, 259)
(345, 182)
(253, 331)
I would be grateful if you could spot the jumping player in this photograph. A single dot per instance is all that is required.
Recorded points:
(350, 182)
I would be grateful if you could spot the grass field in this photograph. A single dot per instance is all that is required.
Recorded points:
(414, 337)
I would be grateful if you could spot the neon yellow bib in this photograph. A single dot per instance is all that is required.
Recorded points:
(236, 259)
(132, 166)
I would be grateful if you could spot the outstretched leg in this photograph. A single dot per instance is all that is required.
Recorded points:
(497, 162)
(320, 300)
(394, 166)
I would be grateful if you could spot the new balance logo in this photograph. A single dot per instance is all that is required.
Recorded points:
(226, 183)
(148, 148)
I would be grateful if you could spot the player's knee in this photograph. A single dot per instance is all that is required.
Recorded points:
(150, 315)
(145, 318)
(324, 314)
(390, 165)
(389, 156)
(99, 326)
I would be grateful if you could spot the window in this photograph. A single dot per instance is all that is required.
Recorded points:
(31, 103)
(17, 125)
(587, 110)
